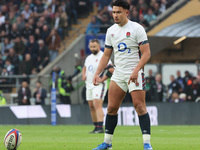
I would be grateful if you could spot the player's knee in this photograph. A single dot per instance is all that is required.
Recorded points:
(140, 108)
(112, 110)
(92, 107)
(97, 105)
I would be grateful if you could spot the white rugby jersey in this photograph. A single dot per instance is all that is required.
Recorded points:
(91, 64)
(125, 42)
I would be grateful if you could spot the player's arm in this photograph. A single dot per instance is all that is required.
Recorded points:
(102, 64)
(83, 73)
(146, 54)
(110, 70)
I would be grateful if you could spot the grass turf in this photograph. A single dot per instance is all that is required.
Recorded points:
(126, 137)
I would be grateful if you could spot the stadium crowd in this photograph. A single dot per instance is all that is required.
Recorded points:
(141, 11)
(181, 88)
(31, 32)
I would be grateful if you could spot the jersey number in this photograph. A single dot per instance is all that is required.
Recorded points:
(125, 47)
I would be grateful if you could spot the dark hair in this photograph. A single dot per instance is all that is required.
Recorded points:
(121, 3)
(95, 40)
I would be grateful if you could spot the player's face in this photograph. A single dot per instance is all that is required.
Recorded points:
(120, 15)
(94, 47)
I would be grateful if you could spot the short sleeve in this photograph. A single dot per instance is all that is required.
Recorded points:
(141, 36)
(108, 43)
(85, 64)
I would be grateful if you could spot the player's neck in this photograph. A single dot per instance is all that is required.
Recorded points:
(123, 23)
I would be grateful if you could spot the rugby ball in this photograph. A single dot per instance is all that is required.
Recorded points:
(12, 139)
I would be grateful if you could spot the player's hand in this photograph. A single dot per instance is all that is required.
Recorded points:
(96, 80)
(133, 77)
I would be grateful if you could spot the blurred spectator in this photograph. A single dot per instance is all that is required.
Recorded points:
(45, 32)
(67, 86)
(183, 97)
(78, 69)
(27, 11)
(26, 66)
(2, 36)
(14, 32)
(37, 34)
(151, 77)
(19, 46)
(20, 23)
(93, 27)
(4, 10)
(174, 86)
(141, 6)
(40, 94)
(59, 24)
(156, 7)
(13, 14)
(39, 8)
(163, 6)
(148, 91)
(43, 56)
(3, 80)
(6, 26)
(134, 16)
(175, 98)
(9, 67)
(64, 16)
(150, 16)
(15, 60)
(142, 21)
(24, 94)
(104, 3)
(31, 4)
(180, 80)
(193, 90)
(32, 48)
(2, 18)
(54, 6)
(6, 45)
(157, 89)
(71, 11)
(27, 31)
(53, 41)
(32, 23)
(2, 99)
(105, 23)
(187, 79)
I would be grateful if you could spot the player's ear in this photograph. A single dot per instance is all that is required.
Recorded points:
(127, 12)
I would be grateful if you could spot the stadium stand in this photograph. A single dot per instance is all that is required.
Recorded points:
(24, 23)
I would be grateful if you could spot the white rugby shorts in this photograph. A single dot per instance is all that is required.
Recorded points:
(122, 81)
(98, 92)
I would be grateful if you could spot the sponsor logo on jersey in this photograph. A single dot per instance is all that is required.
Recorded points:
(96, 60)
(128, 34)
(112, 35)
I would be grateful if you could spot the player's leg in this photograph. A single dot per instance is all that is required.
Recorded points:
(115, 98)
(92, 108)
(99, 114)
(93, 115)
(138, 98)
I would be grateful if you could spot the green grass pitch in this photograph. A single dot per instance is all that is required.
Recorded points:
(64, 137)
